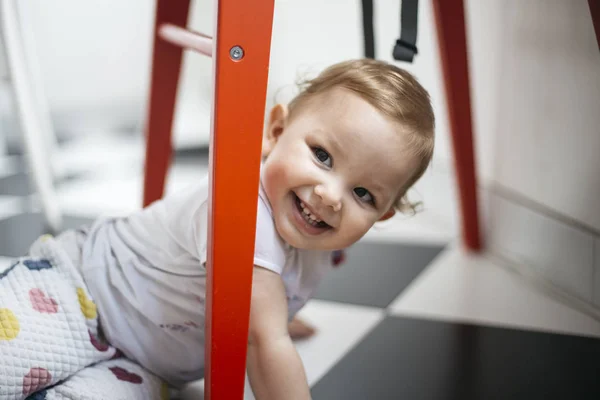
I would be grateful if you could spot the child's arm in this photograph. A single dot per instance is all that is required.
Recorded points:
(275, 370)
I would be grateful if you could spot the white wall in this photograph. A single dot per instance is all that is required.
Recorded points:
(546, 127)
(536, 75)
(535, 70)
(95, 56)
(309, 35)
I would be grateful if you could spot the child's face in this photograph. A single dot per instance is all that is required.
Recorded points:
(341, 161)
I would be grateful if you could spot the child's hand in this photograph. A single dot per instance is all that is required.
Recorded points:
(299, 329)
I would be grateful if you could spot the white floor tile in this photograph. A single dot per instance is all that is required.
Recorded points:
(101, 155)
(468, 288)
(5, 262)
(111, 156)
(10, 205)
(117, 195)
(182, 176)
(92, 198)
(112, 180)
(8, 166)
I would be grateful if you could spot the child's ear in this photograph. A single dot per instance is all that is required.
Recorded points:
(275, 127)
(389, 214)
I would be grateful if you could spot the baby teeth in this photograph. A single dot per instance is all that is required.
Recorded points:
(308, 216)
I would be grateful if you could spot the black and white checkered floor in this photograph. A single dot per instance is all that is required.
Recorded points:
(409, 316)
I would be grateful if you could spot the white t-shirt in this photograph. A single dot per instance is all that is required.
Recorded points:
(146, 273)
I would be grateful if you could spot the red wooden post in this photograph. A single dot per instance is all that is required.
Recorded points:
(166, 65)
(595, 12)
(450, 21)
(241, 61)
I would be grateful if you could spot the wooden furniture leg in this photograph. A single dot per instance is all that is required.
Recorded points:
(595, 12)
(450, 21)
(166, 66)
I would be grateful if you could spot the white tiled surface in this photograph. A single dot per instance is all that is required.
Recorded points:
(5, 262)
(8, 165)
(459, 286)
(110, 196)
(108, 182)
(118, 195)
(102, 154)
(562, 253)
(10, 205)
(181, 176)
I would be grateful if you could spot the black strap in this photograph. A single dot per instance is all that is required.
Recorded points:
(367, 6)
(406, 47)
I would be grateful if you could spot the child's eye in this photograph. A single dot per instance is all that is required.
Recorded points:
(364, 195)
(322, 156)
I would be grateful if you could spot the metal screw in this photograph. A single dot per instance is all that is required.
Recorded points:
(236, 53)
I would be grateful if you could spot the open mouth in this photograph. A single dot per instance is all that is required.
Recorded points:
(308, 217)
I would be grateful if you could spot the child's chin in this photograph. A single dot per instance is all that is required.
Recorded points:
(308, 244)
(294, 239)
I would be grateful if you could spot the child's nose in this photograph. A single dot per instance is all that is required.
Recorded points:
(330, 196)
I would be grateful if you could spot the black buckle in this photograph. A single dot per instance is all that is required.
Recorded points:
(404, 51)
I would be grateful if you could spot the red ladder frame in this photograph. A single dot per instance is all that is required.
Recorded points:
(238, 119)
(450, 23)
(238, 110)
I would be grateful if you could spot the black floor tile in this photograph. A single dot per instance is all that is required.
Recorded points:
(413, 359)
(15, 147)
(191, 156)
(15, 185)
(375, 273)
(20, 184)
(17, 233)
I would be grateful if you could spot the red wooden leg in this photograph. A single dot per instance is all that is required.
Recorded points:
(595, 11)
(237, 127)
(450, 21)
(166, 65)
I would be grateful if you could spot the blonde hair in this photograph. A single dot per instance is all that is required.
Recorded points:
(395, 93)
